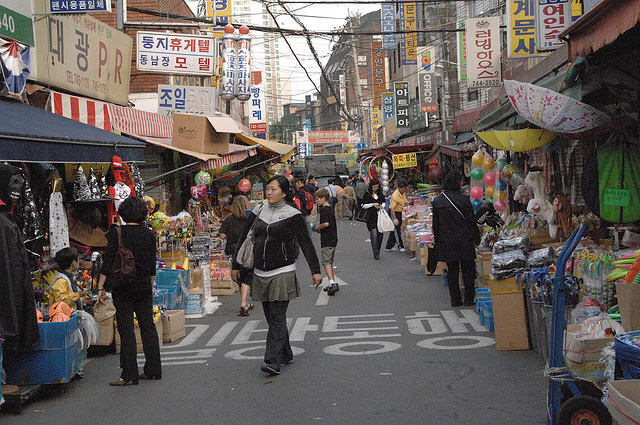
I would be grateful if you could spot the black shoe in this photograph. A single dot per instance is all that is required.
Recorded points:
(456, 303)
(287, 362)
(326, 288)
(376, 257)
(469, 303)
(270, 369)
(146, 377)
(333, 288)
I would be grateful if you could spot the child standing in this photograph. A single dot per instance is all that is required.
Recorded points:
(328, 237)
(63, 287)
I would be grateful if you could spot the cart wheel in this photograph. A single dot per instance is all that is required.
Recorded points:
(584, 410)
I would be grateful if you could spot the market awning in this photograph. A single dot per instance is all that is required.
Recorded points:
(31, 134)
(464, 120)
(283, 150)
(602, 24)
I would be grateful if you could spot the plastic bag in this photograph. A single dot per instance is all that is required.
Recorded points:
(508, 264)
(521, 243)
(542, 257)
(384, 222)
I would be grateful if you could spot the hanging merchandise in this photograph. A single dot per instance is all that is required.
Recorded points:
(244, 185)
(540, 205)
(26, 212)
(138, 182)
(477, 176)
(102, 183)
(128, 179)
(94, 187)
(435, 172)
(198, 192)
(611, 179)
(384, 177)
(159, 221)
(58, 226)
(150, 203)
(15, 60)
(81, 191)
(203, 178)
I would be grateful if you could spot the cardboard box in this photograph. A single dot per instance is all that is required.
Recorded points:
(203, 134)
(221, 283)
(624, 401)
(225, 291)
(581, 350)
(136, 330)
(629, 302)
(173, 325)
(504, 286)
(107, 332)
(510, 320)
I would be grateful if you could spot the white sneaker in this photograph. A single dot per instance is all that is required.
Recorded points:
(403, 250)
(390, 249)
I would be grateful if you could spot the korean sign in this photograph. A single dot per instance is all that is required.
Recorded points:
(426, 80)
(79, 6)
(15, 21)
(388, 26)
(401, 91)
(388, 106)
(483, 52)
(258, 118)
(379, 84)
(462, 53)
(221, 10)
(405, 160)
(552, 17)
(410, 40)
(81, 54)
(338, 136)
(521, 28)
(375, 120)
(175, 53)
(303, 152)
(186, 100)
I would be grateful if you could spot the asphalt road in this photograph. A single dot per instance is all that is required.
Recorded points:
(386, 349)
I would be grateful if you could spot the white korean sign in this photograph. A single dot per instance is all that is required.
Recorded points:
(483, 52)
(79, 6)
(186, 100)
(258, 118)
(176, 53)
(552, 17)
(243, 67)
(343, 89)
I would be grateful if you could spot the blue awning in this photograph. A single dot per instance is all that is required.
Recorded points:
(30, 134)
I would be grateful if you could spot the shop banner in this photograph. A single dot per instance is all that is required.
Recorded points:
(552, 17)
(410, 40)
(521, 28)
(388, 26)
(83, 55)
(379, 78)
(375, 122)
(79, 6)
(405, 160)
(175, 53)
(303, 150)
(343, 89)
(221, 11)
(483, 52)
(346, 157)
(258, 118)
(186, 100)
(462, 53)
(401, 91)
(337, 136)
(15, 21)
(426, 78)
(388, 106)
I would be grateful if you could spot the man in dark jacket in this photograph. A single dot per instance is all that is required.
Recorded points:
(455, 232)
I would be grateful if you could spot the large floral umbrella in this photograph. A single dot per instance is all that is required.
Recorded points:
(15, 59)
(517, 140)
(551, 110)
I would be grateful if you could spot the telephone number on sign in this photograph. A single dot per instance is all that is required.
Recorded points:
(486, 83)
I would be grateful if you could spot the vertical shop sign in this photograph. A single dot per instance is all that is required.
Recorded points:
(401, 91)
(186, 100)
(379, 83)
(388, 26)
(175, 53)
(462, 53)
(426, 71)
(83, 55)
(258, 118)
(552, 17)
(243, 65)
(521, 28)
(308, 113)
(228, 76)
(409, 40)
(375, 122)
(388, 107)
(79, 6)
(15, 21)
(483, 50)
(221, 11)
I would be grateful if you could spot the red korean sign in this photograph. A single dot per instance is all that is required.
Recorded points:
(552, 17)
(338, 136)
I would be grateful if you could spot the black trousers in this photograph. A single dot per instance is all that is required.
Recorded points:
(140, 302)
(396, 236)
(376, 241)
(468, 277)
(278, 350)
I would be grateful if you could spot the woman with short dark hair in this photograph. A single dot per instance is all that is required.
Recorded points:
(372, 201)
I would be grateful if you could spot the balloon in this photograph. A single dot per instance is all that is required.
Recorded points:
(477, 174)
(435, 175)
(501, 195)
(476, 192)
(184, 220)
(477, 159)
(489, 163)
(151, 204)
(489, 191)
(244, 185)
(202, 177)
(500, 163)
(490, 179)
(159, 220)
(500, 205)
(476, 204)
(501, 185)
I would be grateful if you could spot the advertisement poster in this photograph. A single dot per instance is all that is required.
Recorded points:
(186, 100)
(553, 17)
(483, 52)
(462, 53)
(258, 118)
(426, 79)
(405, 160)
(175, 53)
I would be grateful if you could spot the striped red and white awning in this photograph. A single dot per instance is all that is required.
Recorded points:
(241, 153)
(92, 112)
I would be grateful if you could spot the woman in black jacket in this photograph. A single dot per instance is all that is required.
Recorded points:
(278, 225)
(136, 296)
(455, 233)
(372, 201)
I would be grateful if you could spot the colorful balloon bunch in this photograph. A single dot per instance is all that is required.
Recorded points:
(486, 181)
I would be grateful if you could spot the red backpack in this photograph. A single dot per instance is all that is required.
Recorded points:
(308, 201)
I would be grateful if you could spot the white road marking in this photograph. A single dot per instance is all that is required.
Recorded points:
(475, 342)
(222, 334)
(191, 337)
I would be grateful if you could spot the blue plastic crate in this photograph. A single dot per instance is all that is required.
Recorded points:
(487, 319)
(56, 335)
(161, 297)
(172, 299)
(483, 292)
(37, 367)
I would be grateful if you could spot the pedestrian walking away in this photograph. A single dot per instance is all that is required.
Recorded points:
(360, 189)
(398, 201)
(278, 225)
(328, 238)
(455, 235)
(373, 200)
(349, 201)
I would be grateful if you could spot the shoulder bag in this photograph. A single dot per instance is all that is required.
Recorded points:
(244, 257)
(123, 269)
(472, 227)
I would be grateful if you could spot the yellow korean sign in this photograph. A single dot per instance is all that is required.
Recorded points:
(521, 28)
(405, 160)
(221, 11)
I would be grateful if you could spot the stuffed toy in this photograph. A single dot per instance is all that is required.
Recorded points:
(523, 194)
(540, 205)
(120, 190)
(562, 208)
